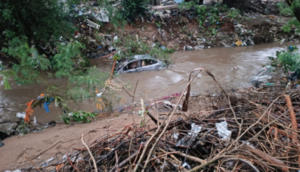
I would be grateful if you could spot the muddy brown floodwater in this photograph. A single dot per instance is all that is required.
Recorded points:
(233, 67)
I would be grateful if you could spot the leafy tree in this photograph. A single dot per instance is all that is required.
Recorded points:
(295, 7)
(25, 27)
(133, 8)
(38, 20)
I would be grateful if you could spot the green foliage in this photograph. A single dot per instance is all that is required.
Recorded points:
(186, 5)
(68, 58)
(23, 128)
(288, 60)
(288, 11)
(285, 9)
(132, 47)
(288, 26)
(36, 19)
(6, 74)
(79, 116)
(233, 13)
(83, 84)
(116, 17)
(133, 8)
(30, 63)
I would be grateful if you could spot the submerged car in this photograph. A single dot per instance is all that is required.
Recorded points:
(139, 63)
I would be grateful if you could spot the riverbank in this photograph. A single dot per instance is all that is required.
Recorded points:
(257, 119)
(21, 151)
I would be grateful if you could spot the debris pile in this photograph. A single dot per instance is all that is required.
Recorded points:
(254, 130)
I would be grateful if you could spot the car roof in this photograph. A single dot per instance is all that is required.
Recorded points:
(140, 57)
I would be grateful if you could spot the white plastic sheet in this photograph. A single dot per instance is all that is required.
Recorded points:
(223, 131)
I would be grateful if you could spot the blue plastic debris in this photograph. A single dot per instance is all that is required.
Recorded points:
(291, 48)
(46, 104)
(217, 22)
(178, 1)
(99, 47)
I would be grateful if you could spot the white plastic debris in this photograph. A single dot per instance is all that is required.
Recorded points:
(34, 121)
(248, 144)
(21, 115)
(49, 160)
(116, 38)
(70, 114)
(282, 41)
(168, 103)
(14, 171)
(161, 31)
(189, 47)
(56, 103)
(186, 165)
(223, 131)
(263, 75)
(175, 135)
(99, 94)
(195, 130)
(102, 16)
(92, 24)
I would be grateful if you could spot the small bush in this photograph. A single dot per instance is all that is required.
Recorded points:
(133, 8)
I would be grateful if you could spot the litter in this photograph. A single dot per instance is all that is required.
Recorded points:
(175, 135)
(92, 24)
(21, 115)
(195, 130)
(34, 121)
(263, 75)
(223, 131)
(102, 15)
(186, 165)
(238, 43)
(46, 104)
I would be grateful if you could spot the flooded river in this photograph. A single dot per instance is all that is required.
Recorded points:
(232, 67)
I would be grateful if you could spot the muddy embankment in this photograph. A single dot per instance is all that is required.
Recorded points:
(182, 33)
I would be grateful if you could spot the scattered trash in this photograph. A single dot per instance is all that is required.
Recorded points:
(238, 43)
(186, 165)
(195, 130)
(21, 115)
(34, 121)
(46, 104)
(189, 47)
(223, 131)
(92, 24)
(171, 105)
(270, 84)
(101, 15)
(282, 41)
(263, 75)
(175, 136)
(1, 144)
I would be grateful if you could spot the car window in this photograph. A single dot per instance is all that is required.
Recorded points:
(132, 65)
(148, 62)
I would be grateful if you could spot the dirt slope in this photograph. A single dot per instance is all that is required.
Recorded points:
(57, 141)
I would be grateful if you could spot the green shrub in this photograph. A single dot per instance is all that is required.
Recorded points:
(133, 8)
(79, 116)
